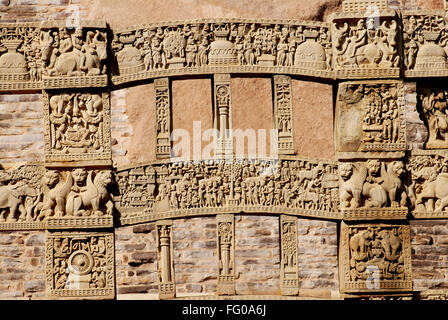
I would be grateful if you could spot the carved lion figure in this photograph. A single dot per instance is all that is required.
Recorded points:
(350, 187)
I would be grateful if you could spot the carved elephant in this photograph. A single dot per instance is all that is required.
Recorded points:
(435, 190)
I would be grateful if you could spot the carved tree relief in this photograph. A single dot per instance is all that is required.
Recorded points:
(283, 114)
(167, 289)
(289, 268)
(80, 265)
(163, 117)
(225, 225)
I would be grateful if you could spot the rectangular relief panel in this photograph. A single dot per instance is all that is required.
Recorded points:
(20, 57)
(375, 258)
(283, 114)
(163, 117)
(425, 43)
(225, 224)
(370, 116)
(80, 265)
(372, 189)
(167, 286)
(366, 43)
(289, 270)
(428, 179)
(223, 115)
(74, 56)
(77, 125)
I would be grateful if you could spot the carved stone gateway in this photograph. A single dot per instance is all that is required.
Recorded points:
(77, 127)
(80, 265)
(375, 258)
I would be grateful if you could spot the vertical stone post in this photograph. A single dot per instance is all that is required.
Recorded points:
(226, 254)
(222, 115)
(289, 269)
(283, 114)
(163, 117)
(167, 289)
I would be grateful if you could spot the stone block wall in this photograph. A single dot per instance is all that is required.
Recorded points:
(22, 265)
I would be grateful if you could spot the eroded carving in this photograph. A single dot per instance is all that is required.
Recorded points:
(371, 117)
(283, 114)
(289, 268)
(225, 225)
(167, 289)
(375, 257)
(77, 127)
(80, 265)
(163, 117)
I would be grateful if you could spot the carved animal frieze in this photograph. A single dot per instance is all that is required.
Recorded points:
(366, 43)
(74, 57)
(80, 265)
(207, 46)
(301, 186)
(375, 258)
(373, 189)
(427, 185)
(77, 127)
(370, 116)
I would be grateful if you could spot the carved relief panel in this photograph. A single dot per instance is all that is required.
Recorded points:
(432, 101)
(74, 57)
(289, 268)
(163, 117)
(20, 56)
(157, 191)
(225, 224)
(77, 127)
(372, 189)
(428, 176)
(224, 45)
(366, 43)
(167, 287)
(283, 114)
(21, 205)
(80, 265)
(222, 112)
(375, 258)
(370, 116)
(425, 43)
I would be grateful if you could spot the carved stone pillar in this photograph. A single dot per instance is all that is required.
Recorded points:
(167, 288)
(283, 114)
(289, 270)
(163, 117)
(226, 254)
(222, 115)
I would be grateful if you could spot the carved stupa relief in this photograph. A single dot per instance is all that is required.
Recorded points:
(74, 57)
(80, 265)
(425, 43)
(370, 116)
(20, 56)
(372, 189)
(77, 127)
(218, 46)
(155, 191)
(375, 258)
